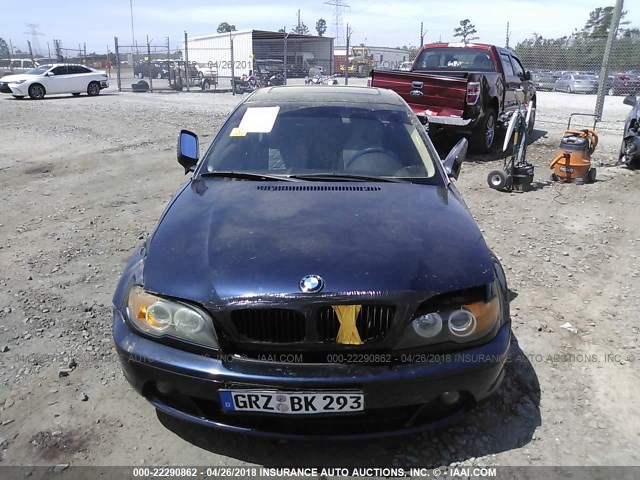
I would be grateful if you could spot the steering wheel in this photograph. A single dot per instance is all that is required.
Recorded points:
(370, 150)
(387, 165)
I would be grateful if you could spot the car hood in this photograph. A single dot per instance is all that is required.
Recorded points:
(223, 239)
(15, 78)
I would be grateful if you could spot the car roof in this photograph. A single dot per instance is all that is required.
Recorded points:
(326, 94)
(64, 65)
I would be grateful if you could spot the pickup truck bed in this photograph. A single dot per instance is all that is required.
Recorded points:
(460, 88)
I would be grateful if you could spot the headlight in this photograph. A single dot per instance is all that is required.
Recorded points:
(465, 324)
(428, 326)
(17, 82)
(161, 317)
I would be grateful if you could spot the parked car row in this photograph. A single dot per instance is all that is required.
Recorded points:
(623, 83)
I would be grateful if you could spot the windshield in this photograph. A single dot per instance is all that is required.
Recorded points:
(455, 58)
(38, 70)
(298, 139)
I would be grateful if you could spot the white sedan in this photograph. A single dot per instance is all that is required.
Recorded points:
(53, 79)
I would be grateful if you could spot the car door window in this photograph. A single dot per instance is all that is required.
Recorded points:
(27, 64)
(62, 70)
(517, 66)
(82, 69)
(506, 64)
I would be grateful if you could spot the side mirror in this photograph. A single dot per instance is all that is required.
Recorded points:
(630, 100)
(48, 74)
(527, 76)
(188, 149)
(453, 162)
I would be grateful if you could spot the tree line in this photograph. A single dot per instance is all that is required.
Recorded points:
(300, 28)
(584, 49)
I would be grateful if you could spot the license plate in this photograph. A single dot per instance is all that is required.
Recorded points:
(291, 403)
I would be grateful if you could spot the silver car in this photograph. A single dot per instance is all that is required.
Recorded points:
(572, 83)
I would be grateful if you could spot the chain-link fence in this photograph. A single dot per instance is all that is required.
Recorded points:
(152, 67)
(558, 63)
(602, 58)
(224, 62)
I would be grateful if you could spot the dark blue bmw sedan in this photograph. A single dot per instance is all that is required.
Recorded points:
(317, 275)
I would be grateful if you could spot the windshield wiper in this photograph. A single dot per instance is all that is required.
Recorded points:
(249, 176)
(346, 177)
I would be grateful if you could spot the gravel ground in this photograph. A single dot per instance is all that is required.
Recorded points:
(83, 181)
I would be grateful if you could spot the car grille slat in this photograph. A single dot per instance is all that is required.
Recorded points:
(272, 325)
(269, 325)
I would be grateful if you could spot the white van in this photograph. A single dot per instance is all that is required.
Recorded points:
(15, 65)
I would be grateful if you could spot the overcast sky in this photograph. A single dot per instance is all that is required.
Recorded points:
(375, 22)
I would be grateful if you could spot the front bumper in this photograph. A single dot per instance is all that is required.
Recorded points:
(399, 398)
(21, 89)
(4, 87)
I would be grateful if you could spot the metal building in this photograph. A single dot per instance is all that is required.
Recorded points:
(242, 51)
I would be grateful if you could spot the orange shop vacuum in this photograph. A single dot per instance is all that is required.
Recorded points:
(573, 161)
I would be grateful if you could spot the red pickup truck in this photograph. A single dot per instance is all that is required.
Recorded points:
(462, 87)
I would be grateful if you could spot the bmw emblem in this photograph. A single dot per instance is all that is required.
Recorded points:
(311, 284)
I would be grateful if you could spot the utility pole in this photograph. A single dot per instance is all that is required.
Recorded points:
(186, 56)
(58, 48)
(506, 43)
(33, 31)
(338, 5)
(422, 32)
(602, 84)
(133, 36)
(30, 51)
(285, 38)
(346, 60)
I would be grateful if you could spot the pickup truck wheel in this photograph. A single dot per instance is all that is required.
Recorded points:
(485, 133)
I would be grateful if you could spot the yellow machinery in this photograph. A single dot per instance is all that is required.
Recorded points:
(360, 62)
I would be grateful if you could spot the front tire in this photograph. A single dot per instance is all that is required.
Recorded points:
(37, 91)
(93, 89)
(484, 134)
(591, 176)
